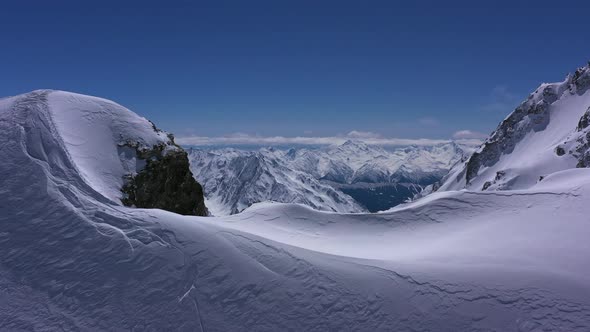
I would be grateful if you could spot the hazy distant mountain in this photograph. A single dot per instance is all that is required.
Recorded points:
(235, 179)
(325, 179)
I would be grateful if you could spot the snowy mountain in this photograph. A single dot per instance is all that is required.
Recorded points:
(118, 154)
(547, 133)
(234, 180)
(325, 179)
(74, 258)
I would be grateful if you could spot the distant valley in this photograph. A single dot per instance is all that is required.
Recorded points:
(351, 177)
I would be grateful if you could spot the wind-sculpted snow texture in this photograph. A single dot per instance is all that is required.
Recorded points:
(546, 133)
(352, 177)
(113, 149)
(73, 259)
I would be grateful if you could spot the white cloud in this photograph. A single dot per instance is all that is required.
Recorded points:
(468, 134)
(367, 137)
(362, 134)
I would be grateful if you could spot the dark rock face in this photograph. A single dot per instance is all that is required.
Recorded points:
(581, 80)
(473, 165)
(582, 150)
(511, 131)
(584, 120)
(165, 183)
(578, 144)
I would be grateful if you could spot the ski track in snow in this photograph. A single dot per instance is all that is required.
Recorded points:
(73, 259)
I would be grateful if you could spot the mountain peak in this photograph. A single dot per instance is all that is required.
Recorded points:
(353, 142)
(535, 140)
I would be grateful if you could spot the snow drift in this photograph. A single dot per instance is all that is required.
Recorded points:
(453, 261)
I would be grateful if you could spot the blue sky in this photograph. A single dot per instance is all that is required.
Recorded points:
(297, 68)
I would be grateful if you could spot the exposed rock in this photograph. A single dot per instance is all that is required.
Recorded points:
(532, 115)
(581, 80)
(584, 120)
(578, 144)
(559, 151)
(473, 165)
(165, 183)
(584, 157)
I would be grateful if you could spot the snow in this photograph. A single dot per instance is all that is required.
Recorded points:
(92, 130)
(452, 261)
(534, 155)
(235, 179)
(442, 229)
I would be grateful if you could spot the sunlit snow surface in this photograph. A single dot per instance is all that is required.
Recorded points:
(534, 144)
(454, 261)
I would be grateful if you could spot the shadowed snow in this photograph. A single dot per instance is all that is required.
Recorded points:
(453, 261)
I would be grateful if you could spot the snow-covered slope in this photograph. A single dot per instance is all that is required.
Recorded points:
(107, 144)
(92, 130)
(547, 133)
(72, 259)
(321, 178)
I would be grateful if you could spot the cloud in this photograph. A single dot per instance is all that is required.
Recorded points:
(367, 138)
(468, 134)
(362, 134)
(501, 100)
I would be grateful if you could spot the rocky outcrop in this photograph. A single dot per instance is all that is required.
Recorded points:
(584, 120)
(165, 182)
(577, 144)
(533, 114)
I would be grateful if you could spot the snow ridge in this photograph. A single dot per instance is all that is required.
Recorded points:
(453, 261)
(535, 140)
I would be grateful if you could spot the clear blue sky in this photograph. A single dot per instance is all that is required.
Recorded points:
(400, 69)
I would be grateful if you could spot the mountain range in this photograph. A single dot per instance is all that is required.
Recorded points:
(351, 177)
(499, 244)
